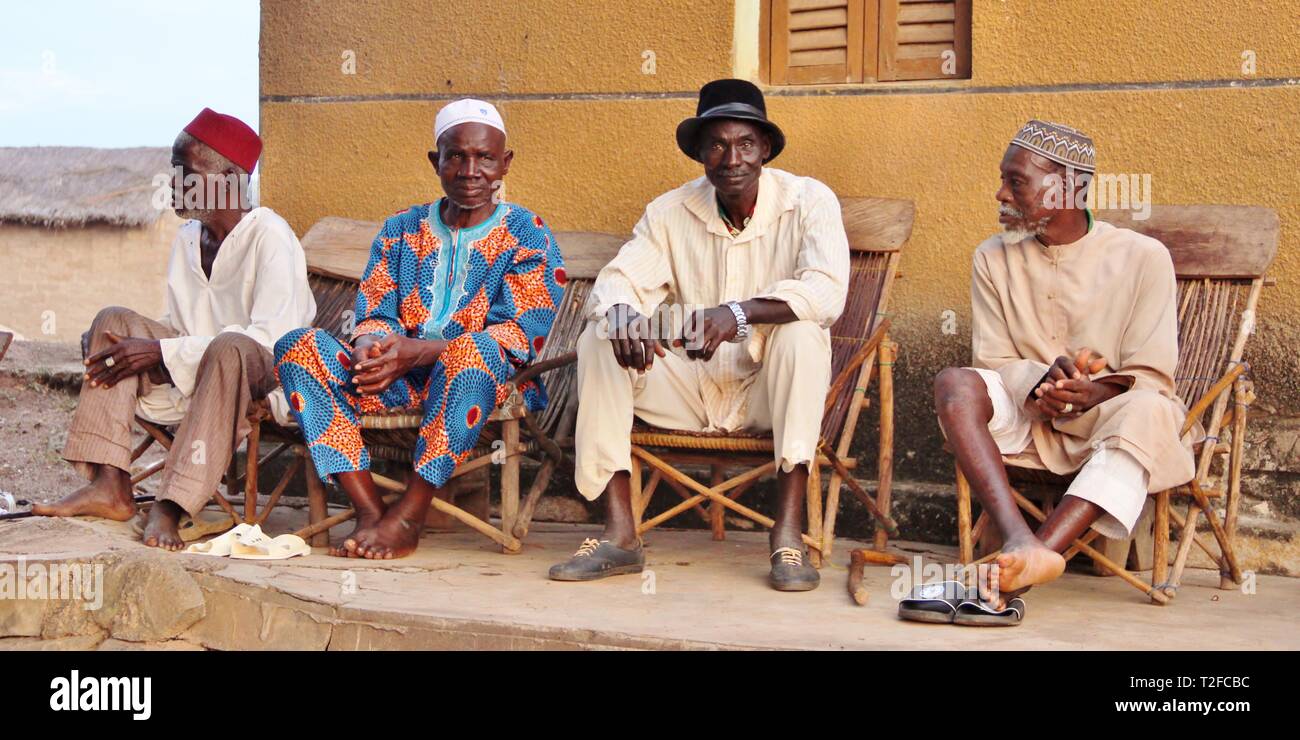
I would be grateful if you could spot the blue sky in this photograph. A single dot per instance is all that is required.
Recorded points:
(113, 73)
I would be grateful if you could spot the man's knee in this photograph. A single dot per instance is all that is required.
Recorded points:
(285, 344)
(1146, 404)
(957, 387)
(229, 349)
(798, 339)
(801, 343)
(114, 318)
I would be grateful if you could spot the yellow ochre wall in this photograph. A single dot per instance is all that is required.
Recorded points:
(1159, 85)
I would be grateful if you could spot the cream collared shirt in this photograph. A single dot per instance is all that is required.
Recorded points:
(794, 249)
(258, 288)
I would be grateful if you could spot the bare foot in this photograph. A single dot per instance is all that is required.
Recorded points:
(396, 535)
(1017, 568)
(366, 520)
(161, 530)
(107, 496)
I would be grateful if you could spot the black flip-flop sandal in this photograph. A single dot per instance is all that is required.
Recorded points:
(933, 602)
(979, 613)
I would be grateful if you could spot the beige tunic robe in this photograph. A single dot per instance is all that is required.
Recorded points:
(794, 249)
(1113, 291)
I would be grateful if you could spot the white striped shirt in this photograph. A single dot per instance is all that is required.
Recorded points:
(794, 249)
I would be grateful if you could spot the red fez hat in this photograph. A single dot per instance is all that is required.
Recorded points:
(228, 136)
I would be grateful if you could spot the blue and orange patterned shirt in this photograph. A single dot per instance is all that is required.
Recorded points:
(500, 282)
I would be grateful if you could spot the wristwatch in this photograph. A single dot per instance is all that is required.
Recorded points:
(742, 323)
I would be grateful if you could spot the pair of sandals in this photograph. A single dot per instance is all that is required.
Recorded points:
(951, 602)
(249, 542)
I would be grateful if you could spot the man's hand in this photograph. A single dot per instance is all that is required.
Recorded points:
(384, 361)
(121, 359)
(632, 336)
(1066, 390)
(706, 330)
(85, 345)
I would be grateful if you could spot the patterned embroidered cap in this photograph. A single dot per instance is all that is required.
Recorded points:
(1058, 143)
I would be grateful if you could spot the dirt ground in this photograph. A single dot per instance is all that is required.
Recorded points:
(33, 427)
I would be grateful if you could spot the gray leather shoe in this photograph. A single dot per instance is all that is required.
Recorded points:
(599, 559)
(790, 572)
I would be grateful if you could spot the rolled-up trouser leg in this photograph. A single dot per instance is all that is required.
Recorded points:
(1114, 480)
(667, 396)
(235, 371)
(100, 433)
(790, 391)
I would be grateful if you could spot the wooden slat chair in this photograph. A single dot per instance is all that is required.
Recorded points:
(877, 229)
(337, 250)
(1221, 255)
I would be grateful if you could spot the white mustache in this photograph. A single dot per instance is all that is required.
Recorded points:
(1005, 210)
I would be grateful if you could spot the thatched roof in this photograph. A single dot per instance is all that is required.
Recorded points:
(72, 186)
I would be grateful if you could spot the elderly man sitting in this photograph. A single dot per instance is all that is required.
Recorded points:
(1074, 344)
(237, 280)
(458, 295)
(764, 255)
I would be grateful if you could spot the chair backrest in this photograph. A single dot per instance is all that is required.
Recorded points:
(1221, 254)
(337, 250)
(877, 229)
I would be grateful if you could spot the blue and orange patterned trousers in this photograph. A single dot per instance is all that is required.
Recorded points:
(457, 394)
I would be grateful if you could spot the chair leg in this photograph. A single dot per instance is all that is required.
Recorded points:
(813, 499)
(535, 491)
(1160, 547)
(1244, 394)
(510, 480)
(717, 514)
(830, 509)
(638, 494)
(965, 544)
(250, 478)
(885, 459)
(1185, 540)
(317, 506)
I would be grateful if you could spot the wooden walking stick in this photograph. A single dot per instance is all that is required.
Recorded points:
(858, 560)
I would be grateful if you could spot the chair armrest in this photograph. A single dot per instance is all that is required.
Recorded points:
(1222, 384)
(859, 357)
(537, 368)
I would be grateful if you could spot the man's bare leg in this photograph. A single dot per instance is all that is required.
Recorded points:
(964, 408)
(397, 533)
(366, 501)
(620, 525)
(107, 495)
(787, 531)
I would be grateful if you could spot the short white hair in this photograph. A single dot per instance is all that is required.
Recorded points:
(216, 159)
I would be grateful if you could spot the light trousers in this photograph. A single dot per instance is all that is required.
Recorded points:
(784, 397)
(235, 371)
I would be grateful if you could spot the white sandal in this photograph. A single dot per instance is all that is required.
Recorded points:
(255, 545)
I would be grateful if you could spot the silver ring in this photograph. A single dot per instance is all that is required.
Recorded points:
(1068, 408)
(109, 362)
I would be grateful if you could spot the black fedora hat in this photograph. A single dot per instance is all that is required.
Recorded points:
(738, 99)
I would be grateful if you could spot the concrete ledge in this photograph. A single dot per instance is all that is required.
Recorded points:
(460, 592)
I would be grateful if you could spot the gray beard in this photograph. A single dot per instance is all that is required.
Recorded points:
(1014, 234)
(202, 215)
(1012, 237)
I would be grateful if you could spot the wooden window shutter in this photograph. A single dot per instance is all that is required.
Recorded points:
(818, 41)
(915, 34)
